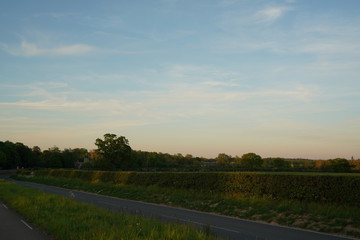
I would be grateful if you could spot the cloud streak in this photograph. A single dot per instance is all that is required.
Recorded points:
(270, 14)
(27, 49)
(191, 97)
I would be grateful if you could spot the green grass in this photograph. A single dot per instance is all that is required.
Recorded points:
(329, 218)
(65, 219)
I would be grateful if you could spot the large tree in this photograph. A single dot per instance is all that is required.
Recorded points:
(251, 161)
(12, 159)
(338, 165)
(114, 152)
(52, 158)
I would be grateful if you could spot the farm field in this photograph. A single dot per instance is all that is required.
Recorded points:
(65, 219)
(319, 214)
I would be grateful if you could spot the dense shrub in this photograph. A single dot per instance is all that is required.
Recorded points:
(327, 188)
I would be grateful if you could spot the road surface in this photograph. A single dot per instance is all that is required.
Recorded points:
(222, 226)
(14, 227)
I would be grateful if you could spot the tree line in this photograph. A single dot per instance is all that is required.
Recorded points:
(18, 155)
(115, 153)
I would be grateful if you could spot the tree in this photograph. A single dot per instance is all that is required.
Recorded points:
(80, 154)
(251, 161)
(25, 155)
(36, 157)
(114, 152)
(68, 158)
(279, 163)
(338, 165)
(3, 160)
(52, 158)
(355, 164)
(12, 156)
(223, 158)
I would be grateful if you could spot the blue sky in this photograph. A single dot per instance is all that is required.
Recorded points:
(279, 78)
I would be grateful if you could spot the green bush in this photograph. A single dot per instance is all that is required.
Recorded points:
(315, 187)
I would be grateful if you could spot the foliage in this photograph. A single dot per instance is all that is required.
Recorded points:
(325, 188)
(54, 157)
(3, 159)
(280, 164)
(223, 158)
(251, 161)
(12, 159)
(114, 152)
(355, 164)
(338, 165)
(18, 155)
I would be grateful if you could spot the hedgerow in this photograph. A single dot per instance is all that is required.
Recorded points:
(327, 188)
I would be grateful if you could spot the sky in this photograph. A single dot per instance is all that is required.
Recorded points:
(280, 78)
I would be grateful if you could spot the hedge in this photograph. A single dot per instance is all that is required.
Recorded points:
(327, 188)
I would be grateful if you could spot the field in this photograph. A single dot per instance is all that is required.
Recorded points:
(337, 214)
(65, 219)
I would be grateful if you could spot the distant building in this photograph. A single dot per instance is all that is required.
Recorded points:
(79, 164)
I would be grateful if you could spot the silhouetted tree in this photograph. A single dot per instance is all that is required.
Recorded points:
(12, 159)
(3, 160)
(338, 165)
(223, 159)
(52, 158)
(279, 164)
(114, 152)
(251, 161)
(25, 155)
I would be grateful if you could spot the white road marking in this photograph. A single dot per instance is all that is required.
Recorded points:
(25, 223)
(225, 229)
(5, 206)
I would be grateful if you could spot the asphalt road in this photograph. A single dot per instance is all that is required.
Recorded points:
(14, 227)
(222, 226)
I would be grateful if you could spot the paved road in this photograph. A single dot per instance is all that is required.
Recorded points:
(222, 226)
(14, 227)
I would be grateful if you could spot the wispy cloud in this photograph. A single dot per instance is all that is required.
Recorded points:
(331, 48)
(270, 14)
(66, 105)
(190, 97)
(237, 21)
(28, 49)
(197, 73)
(317, 35)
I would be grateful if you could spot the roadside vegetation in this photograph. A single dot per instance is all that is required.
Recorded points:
(318, 215)
(65, 219)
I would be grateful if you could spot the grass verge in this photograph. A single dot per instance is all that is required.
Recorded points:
(65, 219)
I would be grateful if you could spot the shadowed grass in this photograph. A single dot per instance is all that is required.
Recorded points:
(65, 219)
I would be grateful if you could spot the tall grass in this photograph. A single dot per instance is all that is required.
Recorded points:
(65, 219)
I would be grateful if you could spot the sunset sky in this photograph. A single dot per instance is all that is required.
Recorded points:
(278, 78)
